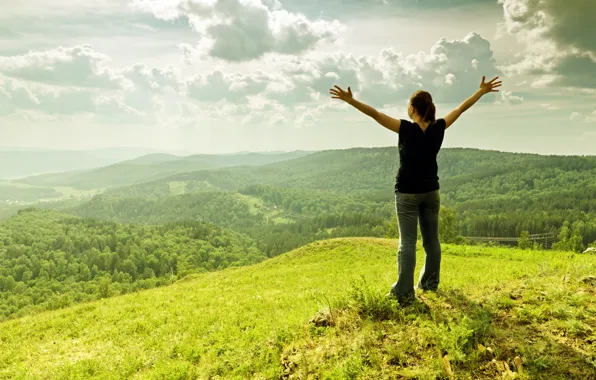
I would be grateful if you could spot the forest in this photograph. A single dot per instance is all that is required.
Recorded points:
(50, 260)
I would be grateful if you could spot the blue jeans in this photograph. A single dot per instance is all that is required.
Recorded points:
(411, 208)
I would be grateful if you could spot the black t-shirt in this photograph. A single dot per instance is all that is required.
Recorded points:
(418, 149)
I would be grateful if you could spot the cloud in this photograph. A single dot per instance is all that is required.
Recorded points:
(450, 70)
(348, 9)
(557, 45)
(78, 80)
(507, 97)
(590, 118)
(549, 107)
(79, 66)
(18, 96)
(236, 87)
(243, 30)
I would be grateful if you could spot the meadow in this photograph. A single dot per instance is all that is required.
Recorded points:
(320, 311)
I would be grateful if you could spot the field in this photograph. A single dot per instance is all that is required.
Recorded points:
(320, 312)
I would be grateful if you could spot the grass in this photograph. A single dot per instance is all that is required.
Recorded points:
(321, 312)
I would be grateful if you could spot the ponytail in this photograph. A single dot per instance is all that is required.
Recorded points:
(430, 112)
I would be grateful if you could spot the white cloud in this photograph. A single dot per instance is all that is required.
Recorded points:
(77, 80)
(79, 66)
(557, 45)
(243, 30)
(550, 107)
(293, 89)
(451, 71)
(58, 101)
(590, 118)
(507, 97)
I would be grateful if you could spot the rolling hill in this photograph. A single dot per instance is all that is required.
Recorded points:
(24, 162)
(153, 167)
(320, 312)
(495, 193)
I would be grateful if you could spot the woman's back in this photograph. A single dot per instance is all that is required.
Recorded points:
(418, 149)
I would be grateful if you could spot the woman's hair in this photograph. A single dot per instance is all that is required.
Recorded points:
(422, 102)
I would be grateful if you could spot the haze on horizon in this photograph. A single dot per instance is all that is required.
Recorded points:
(222, 76)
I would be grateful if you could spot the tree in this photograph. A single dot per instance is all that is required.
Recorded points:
(524, 241)
(448, 232)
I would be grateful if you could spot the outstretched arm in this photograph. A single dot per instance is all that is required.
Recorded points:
(386, 121)
(485, 88)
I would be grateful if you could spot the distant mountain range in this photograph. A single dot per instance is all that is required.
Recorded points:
(21, 162)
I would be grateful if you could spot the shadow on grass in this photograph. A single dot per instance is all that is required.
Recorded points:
(440, 335)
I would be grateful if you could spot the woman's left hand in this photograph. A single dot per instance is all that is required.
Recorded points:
(489, 86)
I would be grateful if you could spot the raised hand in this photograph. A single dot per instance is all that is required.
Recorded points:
(490, 86)
(339, 93)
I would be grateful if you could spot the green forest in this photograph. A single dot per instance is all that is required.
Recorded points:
(50, 260)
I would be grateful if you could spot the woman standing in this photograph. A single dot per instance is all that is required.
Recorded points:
(417, 196)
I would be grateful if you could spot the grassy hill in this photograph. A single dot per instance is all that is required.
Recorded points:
(320, 312)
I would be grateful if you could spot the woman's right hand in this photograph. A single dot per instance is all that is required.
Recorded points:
(339, 93)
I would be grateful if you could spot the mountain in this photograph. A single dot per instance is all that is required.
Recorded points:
(321, 312)
(16, 164)
(153, 167)
(25, 162)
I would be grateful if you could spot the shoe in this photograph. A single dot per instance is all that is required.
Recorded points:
(406, 300)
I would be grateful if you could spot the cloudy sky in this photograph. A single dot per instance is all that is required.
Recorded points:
(217, 76)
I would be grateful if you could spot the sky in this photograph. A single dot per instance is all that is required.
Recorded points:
(221, 76)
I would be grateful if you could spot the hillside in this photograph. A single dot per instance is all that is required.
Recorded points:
(153, 167)
(494, 193)
(495, 305)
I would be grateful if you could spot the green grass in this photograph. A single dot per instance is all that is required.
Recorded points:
(495, 304)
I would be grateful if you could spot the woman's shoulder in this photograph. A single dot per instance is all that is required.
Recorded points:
(440, 122)
(405, 124)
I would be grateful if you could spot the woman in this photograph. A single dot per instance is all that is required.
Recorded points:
(417, 184)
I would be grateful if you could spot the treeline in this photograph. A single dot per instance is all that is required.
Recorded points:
(50, 260)
(278, 219)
